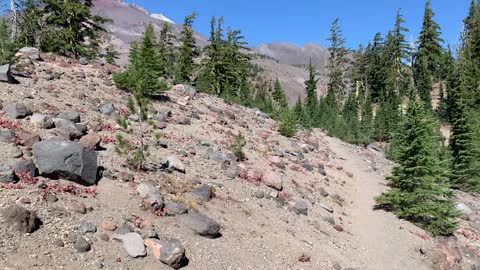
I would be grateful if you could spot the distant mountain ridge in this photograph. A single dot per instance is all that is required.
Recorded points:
(291, 54)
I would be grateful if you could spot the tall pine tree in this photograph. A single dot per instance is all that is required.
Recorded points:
(429, 55)
(419, 192)
(187, 52)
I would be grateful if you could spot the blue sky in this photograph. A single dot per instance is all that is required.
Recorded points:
(305, 21)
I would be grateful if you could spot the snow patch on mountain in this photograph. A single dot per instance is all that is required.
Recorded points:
(161, 17)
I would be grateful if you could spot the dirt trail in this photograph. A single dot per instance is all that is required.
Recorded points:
(386, 242)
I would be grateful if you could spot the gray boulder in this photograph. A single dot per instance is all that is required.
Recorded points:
(26, 166)
(29, 53)
(175, 209)
(107, 108)
(69, 126)
(132, 243)
(7, 136)
(6, 75)
(81, 245)
(17, 111)
(57, 158)
(87, 227)
(203, 193)
(6, 174)
(71, 116)
(201, 224)
(464, 209)
(162, 116)
(150, 193)
(22, 219)
(84, 61)
(300, 207)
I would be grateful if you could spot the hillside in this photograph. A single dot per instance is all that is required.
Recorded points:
(300, 203)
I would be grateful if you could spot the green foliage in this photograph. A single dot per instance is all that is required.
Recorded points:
(261, 96)
(7, 47)
(311, 105)
(419, 190)
(366, 122)
(238, 145)
(226, 71)
(146, 67)
(111, 55)
(463, 106)
(288, 123)
(187, 52)
(429, 55)
(337, 60)
(166, 51)
(465, 146)
(32, 26)
(136, 156)
(279, 96)
(73, 29)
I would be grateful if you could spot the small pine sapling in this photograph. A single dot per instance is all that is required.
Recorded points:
(238, 145)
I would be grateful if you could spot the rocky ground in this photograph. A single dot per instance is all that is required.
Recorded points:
(299, 203)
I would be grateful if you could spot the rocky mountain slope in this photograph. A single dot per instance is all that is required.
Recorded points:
(299, 203)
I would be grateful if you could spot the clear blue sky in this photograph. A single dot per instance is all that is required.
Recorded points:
(304, 21)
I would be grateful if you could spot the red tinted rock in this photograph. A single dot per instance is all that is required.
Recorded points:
(28, 139)
(273, 179)
(91, 141)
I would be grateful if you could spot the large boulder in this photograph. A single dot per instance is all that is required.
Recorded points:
(29, 53)
(201, 224)
(70, 115)
(6, 174)
(21, 219)
(6, 75)
(17, 110)
(69, 126)
(56, 158)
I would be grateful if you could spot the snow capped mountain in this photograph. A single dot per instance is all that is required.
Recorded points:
(162, 18)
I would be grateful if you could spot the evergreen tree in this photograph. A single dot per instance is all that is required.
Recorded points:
(75, 30)
(187, 51)
(279, 95)
(366, 123)
(299, 111)
(7, 47)
(377, 68)
(311, 104)
(337, 60)
(359, 69)
(226, 71)
(288, 123)
(419, 191)
(395, 55)
(464, 107)
(350, 117)
(145, 69)
(111, 55)
(31, 24)
(465, 145)
(429, 55)
(166, 50)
